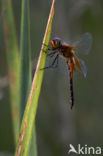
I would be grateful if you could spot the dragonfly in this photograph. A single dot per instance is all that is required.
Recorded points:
(70, 53)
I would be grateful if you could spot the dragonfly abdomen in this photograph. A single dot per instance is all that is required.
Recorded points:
(71, 93)
(71, 68)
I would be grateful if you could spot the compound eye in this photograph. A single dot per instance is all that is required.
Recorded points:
(54, 42)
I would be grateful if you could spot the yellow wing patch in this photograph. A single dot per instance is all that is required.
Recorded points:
(77, 63)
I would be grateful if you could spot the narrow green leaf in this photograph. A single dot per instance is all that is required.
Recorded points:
(13, 62)
(33, 146)
(25, 64)
(25, 55)
(31, 108)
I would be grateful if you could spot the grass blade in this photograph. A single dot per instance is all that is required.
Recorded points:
(31, 108)
(13, 62)
(25, 63)
(25, 56)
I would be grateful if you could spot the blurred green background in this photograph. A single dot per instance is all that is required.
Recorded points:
(56, 125)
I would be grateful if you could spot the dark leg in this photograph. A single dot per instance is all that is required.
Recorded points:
(57, 62)
(51, 66)
(47, 47)
(45, 51)
(51, 54)
(50, 49)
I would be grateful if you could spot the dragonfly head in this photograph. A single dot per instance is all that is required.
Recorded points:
(55, 42)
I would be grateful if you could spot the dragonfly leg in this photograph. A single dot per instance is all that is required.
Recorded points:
(45, 45)
(50, 49)
(51, 66)
(51, 54)
(45, 51)
(47, 48)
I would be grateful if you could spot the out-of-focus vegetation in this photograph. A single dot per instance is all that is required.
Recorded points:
(57, 126)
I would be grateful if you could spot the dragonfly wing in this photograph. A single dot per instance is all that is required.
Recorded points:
(83, 66)
(84, 44)
(77, 63)
(60, 65)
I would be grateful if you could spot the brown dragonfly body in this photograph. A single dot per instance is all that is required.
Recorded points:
(68, 52)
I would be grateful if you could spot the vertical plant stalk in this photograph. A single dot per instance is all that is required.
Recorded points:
(31, 107)
(13, 62)
(25, 64)
(25, 56)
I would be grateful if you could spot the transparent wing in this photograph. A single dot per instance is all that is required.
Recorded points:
(83, 66)
(60, 65)
(84, 44)
(62, 68)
